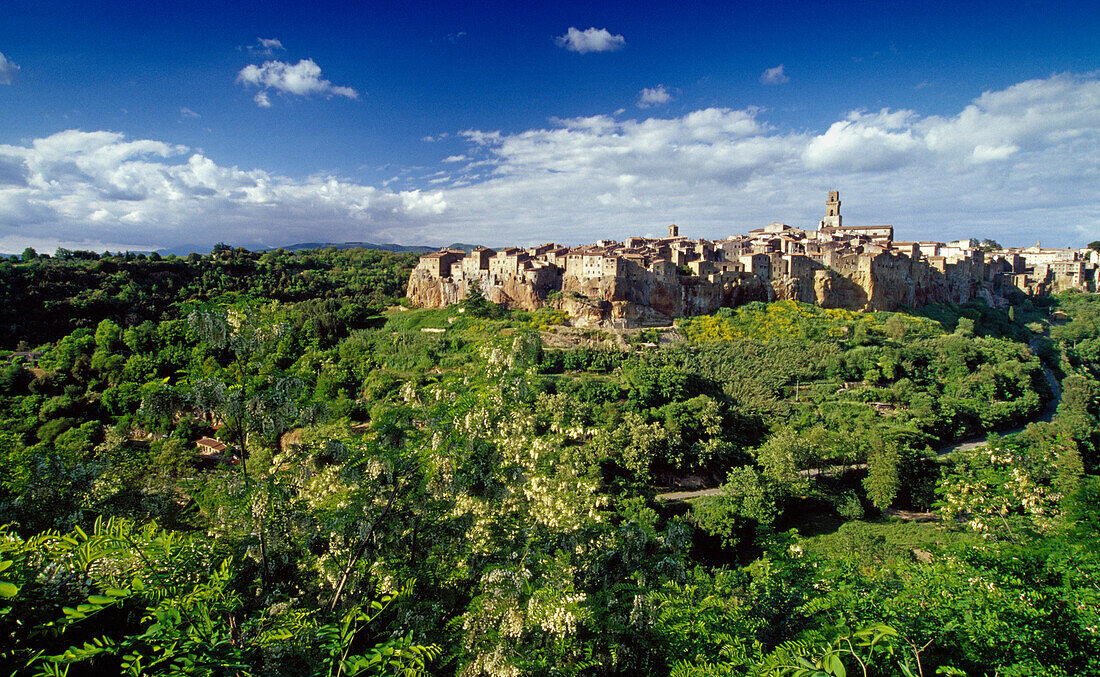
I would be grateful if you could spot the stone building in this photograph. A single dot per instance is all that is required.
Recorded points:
(646, 281)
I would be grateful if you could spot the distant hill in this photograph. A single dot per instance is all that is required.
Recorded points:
(184, 250)
(420, 249)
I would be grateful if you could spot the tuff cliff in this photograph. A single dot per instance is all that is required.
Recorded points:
(590, 302)
(651, 280)
(867, 283)
(512, 291)
(648, 300)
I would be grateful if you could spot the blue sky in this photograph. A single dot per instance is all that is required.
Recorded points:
(163, 125)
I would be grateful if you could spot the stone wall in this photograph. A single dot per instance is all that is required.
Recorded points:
(633, 296)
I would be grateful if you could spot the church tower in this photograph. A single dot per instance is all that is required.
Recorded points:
(674, 230)
(832, 211)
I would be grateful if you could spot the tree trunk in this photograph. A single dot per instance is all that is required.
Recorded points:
(355, 556)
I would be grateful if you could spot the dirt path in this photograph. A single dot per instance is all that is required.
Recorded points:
(1045, 416)
(686, 495)
(911, 515)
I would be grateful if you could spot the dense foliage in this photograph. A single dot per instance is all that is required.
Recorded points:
(473, 491)
(45, 298)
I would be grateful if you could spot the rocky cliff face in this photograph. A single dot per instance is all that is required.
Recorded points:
(583, 311)
(890, 282)
(511, 291)
(427, 291)
(593, 302)
(833, 290)
(653, 301)
(795, 289)
(883, 283)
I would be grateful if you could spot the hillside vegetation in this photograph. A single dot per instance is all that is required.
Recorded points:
(438, 492)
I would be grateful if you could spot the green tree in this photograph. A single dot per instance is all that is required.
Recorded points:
(157, 602)
(896, 327)
(476, 305)
(633, 445)
(787, 453)
(745, 504)
(251, 405)
(965, 327)
(881, 482)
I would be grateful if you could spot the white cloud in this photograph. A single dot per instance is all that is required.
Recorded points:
(8, 70)
(591, 40)
(774, 76)
(300, 79)
(866, 142)
(98, 188)
(656, 96)
(1060, 111)
(1015, 165)
(266, 46)
(188, 113)
(984, 153)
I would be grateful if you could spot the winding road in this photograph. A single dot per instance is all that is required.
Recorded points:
(1046, 416)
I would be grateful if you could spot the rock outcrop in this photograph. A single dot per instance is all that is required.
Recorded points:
(650, 281)
(512, 291)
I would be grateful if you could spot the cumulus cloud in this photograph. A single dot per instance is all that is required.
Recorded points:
(591, 40)
(727, 170)
(867, 142)
(1014, 164)
(657, 96)
(300, 79)
(94, 189)
(774, 76)
(1060, 111)
(8, 70)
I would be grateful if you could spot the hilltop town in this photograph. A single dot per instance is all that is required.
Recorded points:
(649, 281)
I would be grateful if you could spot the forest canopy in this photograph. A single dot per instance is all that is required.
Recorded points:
(264, 464)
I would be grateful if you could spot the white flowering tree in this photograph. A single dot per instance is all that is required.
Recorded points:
(252, 401)
(1011, 484)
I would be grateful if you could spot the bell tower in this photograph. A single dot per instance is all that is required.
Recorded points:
(674, 230)
(832, 210)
